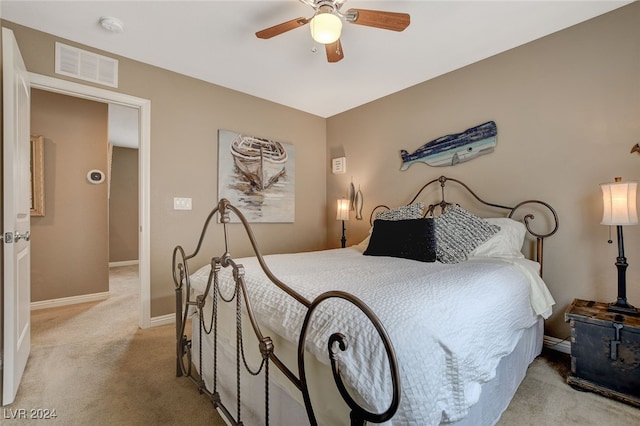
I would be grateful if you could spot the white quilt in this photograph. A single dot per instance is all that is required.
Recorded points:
(450, 324)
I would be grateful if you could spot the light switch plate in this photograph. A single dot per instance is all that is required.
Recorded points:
(339, 165)
(181, 203)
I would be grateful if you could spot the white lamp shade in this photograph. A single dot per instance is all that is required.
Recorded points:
(326, 28)
(343, 209)
(619, 200)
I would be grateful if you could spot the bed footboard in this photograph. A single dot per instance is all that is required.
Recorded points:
(186, 303)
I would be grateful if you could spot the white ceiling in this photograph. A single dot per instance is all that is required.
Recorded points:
(215, 41)
(123, 126)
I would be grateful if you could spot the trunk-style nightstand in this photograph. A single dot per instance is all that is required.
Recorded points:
(605, 351)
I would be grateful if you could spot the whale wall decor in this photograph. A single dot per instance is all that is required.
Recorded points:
(450, 150)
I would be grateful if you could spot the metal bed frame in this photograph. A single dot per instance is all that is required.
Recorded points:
(185, 303)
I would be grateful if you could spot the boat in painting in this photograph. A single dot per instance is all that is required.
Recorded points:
(450, 150)
(261, 161)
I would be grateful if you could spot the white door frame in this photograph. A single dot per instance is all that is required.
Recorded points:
(69, 88)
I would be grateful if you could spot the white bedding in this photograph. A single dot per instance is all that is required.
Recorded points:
(450, 324)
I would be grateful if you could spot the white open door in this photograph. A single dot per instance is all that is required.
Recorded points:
(16, 217)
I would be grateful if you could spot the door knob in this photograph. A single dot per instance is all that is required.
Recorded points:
(26, 236)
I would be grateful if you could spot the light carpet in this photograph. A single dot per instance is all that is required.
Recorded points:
(94, 366)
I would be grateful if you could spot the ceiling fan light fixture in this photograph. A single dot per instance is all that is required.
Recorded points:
(325, 26)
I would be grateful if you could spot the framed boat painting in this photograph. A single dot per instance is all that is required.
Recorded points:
(258, 176)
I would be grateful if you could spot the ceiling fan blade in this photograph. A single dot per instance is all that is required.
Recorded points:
(282, 28)
(379, 19)
(334, 51)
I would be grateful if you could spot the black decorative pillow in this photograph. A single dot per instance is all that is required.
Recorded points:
(410, 239)
(412, 211)
(459, 232)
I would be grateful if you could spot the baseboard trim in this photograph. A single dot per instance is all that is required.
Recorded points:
(123, 263)
(162, 320)
(65, 301)
(560, 345)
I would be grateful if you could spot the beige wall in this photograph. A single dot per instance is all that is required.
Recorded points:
(123, 205)
(69, 245)
(567, 109)
(185, 117)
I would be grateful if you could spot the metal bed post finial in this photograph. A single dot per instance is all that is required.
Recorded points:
(443, 204)
(224, 219)
(224, 211)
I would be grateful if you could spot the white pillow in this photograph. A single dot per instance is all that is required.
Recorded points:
(364, 243)
(506, 243)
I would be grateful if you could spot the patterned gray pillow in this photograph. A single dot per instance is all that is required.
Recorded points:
(459, 232)
(412, 211)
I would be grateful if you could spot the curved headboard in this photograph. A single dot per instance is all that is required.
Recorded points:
(508, 211)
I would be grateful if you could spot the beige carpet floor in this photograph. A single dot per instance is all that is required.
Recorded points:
(94, 366)
(544, 399)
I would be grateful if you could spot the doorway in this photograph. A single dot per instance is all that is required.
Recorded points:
(143, 107)
(122, 191)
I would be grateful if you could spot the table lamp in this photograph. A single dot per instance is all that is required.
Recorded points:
(619, 200)
(343, 214)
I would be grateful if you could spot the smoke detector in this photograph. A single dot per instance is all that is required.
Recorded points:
(111, 24)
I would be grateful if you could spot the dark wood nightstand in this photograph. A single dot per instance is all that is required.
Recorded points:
(605, 351)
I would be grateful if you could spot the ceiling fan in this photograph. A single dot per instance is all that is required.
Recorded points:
(326, 24)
